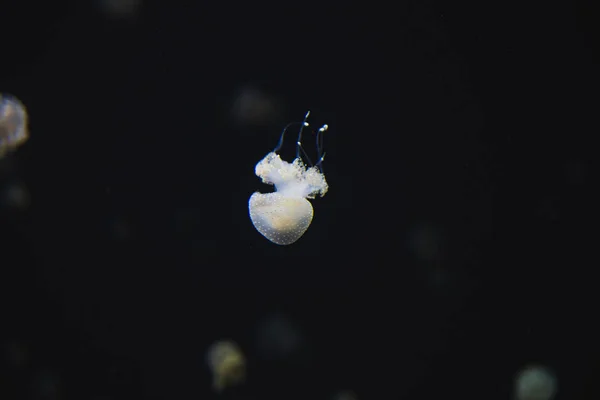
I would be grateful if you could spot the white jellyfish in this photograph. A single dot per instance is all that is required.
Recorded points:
(13, 124)
(284, 215)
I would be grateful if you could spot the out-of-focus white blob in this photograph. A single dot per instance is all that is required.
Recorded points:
(227, 364)
(254, 107)
(345, 395)
(535, 382)
(119, 9)
(13, 124)
(284, 216)
(277, 337)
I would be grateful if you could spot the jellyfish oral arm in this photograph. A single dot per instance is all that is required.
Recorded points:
(291, 179)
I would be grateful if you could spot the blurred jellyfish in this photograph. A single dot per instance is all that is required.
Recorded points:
(277, 337)
(345, 395)
(284, 216)
(227, 364)
(535, 383)
(253, 106)
(119, 9)
(13, 124)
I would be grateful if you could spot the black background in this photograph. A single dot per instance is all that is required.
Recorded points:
(455, 246)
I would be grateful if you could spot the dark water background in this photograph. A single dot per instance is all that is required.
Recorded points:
(455, 246)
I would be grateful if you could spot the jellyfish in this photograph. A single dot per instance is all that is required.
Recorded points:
(535, 382)
(284, 215)
(13, 124)
(227, 364)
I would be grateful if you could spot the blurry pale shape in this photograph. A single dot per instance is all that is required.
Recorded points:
(278, 337)
(253, 106)
(284, 216)
(13, 124)
(227, 364)
(120, 8)
(345, 395)
(535, 383)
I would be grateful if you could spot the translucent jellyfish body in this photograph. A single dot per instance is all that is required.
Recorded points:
(13, 124)
(284, 215)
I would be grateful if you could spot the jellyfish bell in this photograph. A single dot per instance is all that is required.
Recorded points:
(284, 215)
